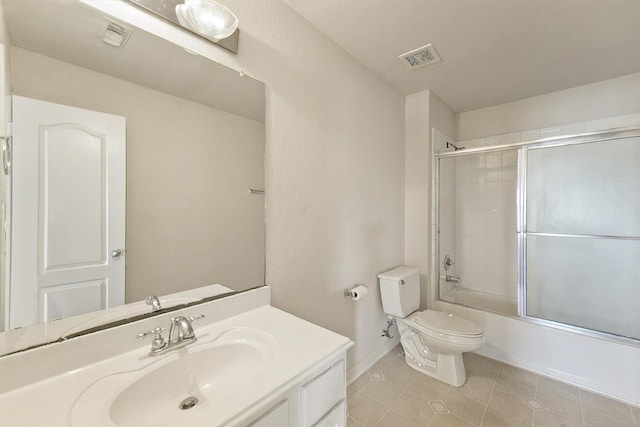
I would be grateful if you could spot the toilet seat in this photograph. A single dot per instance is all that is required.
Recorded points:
(446, 323)
(453, 332)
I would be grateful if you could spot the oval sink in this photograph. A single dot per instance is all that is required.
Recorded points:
(194, 379)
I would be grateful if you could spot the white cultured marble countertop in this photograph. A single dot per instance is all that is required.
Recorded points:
(299, 347)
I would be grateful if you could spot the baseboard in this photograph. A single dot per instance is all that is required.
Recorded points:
(362, 366)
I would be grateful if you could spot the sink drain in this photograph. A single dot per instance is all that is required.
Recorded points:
(188, 403)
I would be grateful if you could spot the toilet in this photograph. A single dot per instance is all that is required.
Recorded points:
(433, 341)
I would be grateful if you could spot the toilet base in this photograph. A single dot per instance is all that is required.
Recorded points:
(448, 368)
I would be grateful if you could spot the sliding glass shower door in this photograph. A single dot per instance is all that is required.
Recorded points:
(580, 234)
(546, 230)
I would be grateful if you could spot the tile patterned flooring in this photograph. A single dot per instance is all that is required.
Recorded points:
(391, 393)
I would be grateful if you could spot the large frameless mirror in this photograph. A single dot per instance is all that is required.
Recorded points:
(146, 140)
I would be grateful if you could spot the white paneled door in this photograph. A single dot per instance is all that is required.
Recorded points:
(68, 229)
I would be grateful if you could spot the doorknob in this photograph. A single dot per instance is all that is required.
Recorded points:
(6, 154)
(117, 253)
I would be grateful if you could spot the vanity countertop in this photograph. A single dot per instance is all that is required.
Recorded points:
(86, 395)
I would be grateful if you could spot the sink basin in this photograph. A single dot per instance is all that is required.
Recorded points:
(179, 385)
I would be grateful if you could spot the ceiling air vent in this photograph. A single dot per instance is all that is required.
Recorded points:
(116, 34)
(418, 58)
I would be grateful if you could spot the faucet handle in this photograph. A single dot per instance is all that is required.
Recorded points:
(192, 318)
(154, 302)
(158, 342)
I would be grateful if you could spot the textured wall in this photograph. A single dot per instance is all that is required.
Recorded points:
(335, 185)
(417, 184)
(424, 111)
(335, 193)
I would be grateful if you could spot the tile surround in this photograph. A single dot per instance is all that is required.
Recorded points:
(390, 393)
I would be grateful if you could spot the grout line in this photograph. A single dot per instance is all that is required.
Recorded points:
(443, 401)
(364, 394)
(404, 390)
(385, 380)
(633, 417)
(535, 396)
(486, 407)
(383, 415)
(584, 420)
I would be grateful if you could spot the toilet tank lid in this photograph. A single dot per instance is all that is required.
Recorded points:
(398, 273)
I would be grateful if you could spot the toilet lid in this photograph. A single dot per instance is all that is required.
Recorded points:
(447, 323)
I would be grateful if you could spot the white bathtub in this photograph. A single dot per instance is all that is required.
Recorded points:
(482, 301)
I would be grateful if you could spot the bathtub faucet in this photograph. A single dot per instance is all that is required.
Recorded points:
(455, 279)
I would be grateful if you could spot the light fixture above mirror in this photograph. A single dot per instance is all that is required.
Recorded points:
(206, 18)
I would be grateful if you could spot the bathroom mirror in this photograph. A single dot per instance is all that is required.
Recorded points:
(194, 150)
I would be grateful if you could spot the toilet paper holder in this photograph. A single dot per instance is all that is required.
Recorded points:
(357, 292)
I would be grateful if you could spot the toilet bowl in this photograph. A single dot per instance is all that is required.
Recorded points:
(433, 341)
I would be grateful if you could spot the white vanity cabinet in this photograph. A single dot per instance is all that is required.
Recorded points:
(253, 365)
(319, 400)
(278, 416)
(322, 395)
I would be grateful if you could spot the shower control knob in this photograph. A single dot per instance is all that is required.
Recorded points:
(448, 262)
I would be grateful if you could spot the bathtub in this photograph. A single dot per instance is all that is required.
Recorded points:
(482, 300)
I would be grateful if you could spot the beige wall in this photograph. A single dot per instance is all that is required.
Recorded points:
(423, 111)
(335, 174)
(608, 98)
(441, 116)
(190, 218)
(417, 182)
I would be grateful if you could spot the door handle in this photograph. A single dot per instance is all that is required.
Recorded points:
(6, 154)
(117, 253)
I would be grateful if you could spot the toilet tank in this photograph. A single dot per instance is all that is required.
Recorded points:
(400, 291)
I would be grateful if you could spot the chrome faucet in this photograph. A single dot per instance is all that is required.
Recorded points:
(181, 330)
(455, 279)
(180, 334)
(154, 302)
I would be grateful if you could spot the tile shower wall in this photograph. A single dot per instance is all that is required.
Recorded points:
(485, 222)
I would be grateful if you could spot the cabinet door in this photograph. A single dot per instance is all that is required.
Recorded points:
(278, 416)
(335, 418)
(323, 393)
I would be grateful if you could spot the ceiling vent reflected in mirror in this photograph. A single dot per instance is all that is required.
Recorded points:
(205, 18)
(421, 57)
(116, 34)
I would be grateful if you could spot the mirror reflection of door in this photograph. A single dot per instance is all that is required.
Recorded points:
(68, 211)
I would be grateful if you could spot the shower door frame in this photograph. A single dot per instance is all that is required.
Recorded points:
(521, 229)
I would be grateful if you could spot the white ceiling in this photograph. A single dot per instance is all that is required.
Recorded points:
(493, 51)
